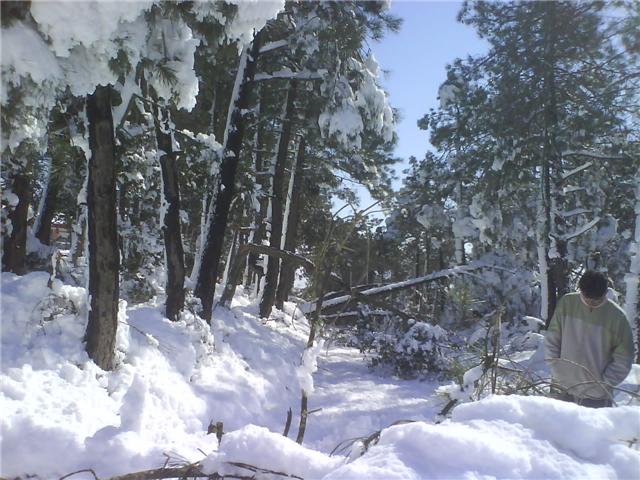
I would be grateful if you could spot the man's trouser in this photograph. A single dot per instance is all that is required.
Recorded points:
(585, 402)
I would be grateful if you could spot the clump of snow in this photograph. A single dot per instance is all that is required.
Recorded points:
(172, 41)
(251, 15)
(447, 94)
(93, 22)
(258, 446)
(309, 365)
(356, 109)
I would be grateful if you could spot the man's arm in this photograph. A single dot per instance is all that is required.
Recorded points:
(622, 356)
(553, 337)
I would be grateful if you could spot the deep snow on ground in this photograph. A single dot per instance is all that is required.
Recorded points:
(60, 413)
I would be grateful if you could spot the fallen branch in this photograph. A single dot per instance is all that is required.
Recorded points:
(85, 470)
(359, 297)
(193, 470)
(394, 287)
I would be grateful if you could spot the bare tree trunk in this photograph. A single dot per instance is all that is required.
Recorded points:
(262, 182)
(79, 228)
(104, 258)
(287, 270)
(555, 253)
(43, 233)
(15, 247)
(223, 193)
(632, 278)
(273, 267)
(171, 229)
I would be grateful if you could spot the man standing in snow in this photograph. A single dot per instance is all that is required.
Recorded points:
(589, 344)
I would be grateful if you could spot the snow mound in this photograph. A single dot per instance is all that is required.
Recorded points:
(499, 437)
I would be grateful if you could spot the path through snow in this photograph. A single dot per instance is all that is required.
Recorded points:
(356, 401)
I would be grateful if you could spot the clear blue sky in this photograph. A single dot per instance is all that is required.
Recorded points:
(416, 57)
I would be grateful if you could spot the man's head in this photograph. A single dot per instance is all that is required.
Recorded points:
(593, 288)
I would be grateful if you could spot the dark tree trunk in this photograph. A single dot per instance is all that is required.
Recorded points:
(15, 247)
(104, 258)
(557, 275)
(277, 206)
(287, 270)
(48, 212)
(224, 188)
(171, 229)
(259, 219)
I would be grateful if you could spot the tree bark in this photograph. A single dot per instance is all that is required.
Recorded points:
(287, 270)
(632, 278)
(104, 258)
(224, 188)
(277, 208)
(15, 246)
(263, 182)
(48, 212)
(171, 229)
(557, 281)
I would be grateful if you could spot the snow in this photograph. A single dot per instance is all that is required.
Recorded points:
(174, 39)
(278, 453)
(448, 94)
(352, 109)
(62, 413)
(251, 15)
(93, 22)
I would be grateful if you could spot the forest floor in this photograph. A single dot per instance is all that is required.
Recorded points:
(62, 414)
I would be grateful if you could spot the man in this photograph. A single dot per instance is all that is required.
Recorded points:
(589, 344)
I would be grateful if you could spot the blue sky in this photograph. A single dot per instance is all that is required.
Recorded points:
(416, 57)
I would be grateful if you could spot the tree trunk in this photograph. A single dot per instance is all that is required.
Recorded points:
(79, 228)
(287, 270)
(15, 247)
(459, 239)
(557, 281)
(174, 252)
(104, 258)
(262, 181)
(632, 278)
(48, 211)
(224, 188)
(237, 265)
(277, 210)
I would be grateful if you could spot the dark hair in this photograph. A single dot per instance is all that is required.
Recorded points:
(593, 284)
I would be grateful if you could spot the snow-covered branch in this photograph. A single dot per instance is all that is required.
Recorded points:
(271, 46)
(576, 170)
(290, 75)
(574, 212)
(595, 155)
(392, 287)
(583, 229)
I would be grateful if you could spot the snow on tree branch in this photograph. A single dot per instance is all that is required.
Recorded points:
(581, 230)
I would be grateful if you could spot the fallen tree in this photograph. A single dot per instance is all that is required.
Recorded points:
(368, 295)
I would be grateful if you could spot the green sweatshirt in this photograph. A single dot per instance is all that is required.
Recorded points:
(587, 346)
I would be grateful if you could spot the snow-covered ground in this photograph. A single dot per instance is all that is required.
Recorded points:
(60, 413)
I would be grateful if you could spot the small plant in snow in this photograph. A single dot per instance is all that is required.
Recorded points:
(413, 349)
